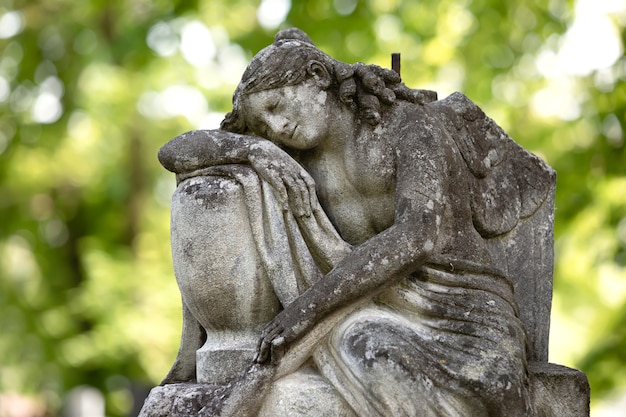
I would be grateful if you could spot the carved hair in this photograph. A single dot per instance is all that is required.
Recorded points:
(367, 89)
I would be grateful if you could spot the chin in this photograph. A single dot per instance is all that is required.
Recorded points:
(303, 143)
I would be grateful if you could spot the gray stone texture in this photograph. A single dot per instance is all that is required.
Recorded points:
(419, 284)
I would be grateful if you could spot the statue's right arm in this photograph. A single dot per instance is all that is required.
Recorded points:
(200, 149)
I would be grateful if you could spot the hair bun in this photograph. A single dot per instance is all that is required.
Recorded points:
(292, 34)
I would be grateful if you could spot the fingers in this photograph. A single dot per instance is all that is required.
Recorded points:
(278, 347)
(295, 194)
(273, 343)
(303, 193)
(301, 189)
(312, 197)
(269, 336)
(295, 187)
(273, 176)
(263, 351)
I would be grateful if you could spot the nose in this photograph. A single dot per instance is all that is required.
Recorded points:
(280, 125)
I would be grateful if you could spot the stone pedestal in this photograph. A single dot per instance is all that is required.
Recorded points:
(559, 391)
(224, 356)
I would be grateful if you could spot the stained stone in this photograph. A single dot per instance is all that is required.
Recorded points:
(346, 245)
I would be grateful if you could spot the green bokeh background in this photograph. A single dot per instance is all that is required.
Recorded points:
(90, 90)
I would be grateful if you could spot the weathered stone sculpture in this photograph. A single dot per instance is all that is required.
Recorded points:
(418, 285)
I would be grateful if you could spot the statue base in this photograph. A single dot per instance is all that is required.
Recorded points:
(558, 391)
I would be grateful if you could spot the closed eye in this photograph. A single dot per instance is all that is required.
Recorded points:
(273, 105)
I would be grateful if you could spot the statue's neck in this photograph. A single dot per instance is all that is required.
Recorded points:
(344, 128)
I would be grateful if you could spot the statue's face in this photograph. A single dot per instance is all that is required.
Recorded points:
(294, 116)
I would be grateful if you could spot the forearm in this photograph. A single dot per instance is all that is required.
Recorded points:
(205, 148)
(370, 268)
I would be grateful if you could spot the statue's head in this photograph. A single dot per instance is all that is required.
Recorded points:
(282, 64)
(293, 59)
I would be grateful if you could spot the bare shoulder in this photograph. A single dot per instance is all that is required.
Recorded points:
(415, 130)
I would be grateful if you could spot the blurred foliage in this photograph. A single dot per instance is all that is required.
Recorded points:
(90, 90)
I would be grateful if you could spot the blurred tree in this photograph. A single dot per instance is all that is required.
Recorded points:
(90, 90)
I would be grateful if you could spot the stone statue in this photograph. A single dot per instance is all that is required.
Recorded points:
(419, 284)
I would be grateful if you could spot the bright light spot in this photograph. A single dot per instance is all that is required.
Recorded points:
(11, 23)
(85, 400)
(558, 9)
(18, 259)
(162, 39)
(388, 27)
(177, 100)
(591, 43)
(526, 67)
(47, 108)
(548, 64)
(560, 99)
(52, 85)
(163, 190)
(601, 6)
(605, 79)
(345, 7)
(185, 101)
(219, 35)
(196, 44)
(148, 105)
(450, 78)
(5, 89)
(211, 121)
(612, 285)
(383, 6)
(459, 22)
(613, 406)
(437, 51)
(271, 13)
(80, 126)
(232, 63)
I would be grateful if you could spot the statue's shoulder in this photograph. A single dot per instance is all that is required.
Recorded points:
(457, 104)
(459, 113)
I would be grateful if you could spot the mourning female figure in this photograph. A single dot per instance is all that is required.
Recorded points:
(417, 188)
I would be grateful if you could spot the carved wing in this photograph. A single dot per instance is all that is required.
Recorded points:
(512, 200)
(508, 182)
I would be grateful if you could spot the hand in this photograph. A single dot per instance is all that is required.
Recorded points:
(295, 187)
(286, 327)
